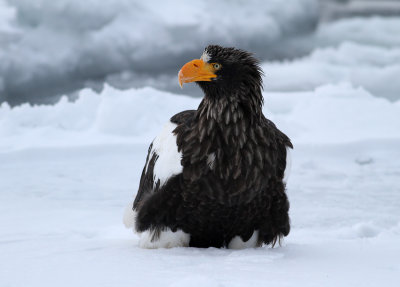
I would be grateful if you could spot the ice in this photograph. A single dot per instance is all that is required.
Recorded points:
(67, 172)
(335, 114)
(112, 116)
(329, 114)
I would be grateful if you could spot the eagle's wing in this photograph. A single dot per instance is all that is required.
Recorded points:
(163, 161)
(284, 146)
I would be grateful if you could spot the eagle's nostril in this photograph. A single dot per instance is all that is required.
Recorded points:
(195, 65)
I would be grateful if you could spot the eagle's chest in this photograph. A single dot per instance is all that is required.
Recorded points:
(231, 161)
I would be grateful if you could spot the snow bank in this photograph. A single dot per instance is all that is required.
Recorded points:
(112, 116)
(329, 114)
(56, 47)
(334, 114)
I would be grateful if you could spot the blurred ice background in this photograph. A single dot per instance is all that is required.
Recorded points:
(51, 48)
(86, 85)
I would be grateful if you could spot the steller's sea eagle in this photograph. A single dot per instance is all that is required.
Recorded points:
(215, 176)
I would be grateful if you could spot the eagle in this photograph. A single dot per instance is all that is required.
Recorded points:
(216, 176)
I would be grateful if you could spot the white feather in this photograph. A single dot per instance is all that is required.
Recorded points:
(169, 159)
(167, 239)
(211, 160)
(205, 57)
(288, 165)
(167, 164)
(238, 243)
(129, 218)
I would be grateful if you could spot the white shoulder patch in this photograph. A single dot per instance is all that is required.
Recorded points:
(205, 57)
(288, 165)
(169, 159)
(238, 243)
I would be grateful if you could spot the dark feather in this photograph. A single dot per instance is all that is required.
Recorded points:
(242, 190)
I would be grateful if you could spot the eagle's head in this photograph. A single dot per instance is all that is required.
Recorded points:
(224, 71)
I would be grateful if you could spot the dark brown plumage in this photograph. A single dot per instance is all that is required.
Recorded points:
(233, 163)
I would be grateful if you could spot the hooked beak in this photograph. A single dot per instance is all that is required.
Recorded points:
(196, 71)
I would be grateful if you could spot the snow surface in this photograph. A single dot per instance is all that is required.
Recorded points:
(67, 172)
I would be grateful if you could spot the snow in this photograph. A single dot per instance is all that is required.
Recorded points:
(68, 171)
(115, 116)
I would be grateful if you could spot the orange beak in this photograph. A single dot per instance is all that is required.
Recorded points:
(196, 71)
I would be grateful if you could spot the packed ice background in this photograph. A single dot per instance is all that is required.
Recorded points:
(85, 87)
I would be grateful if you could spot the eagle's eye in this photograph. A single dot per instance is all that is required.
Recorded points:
(216, 66)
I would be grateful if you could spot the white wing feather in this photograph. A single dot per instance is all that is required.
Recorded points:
(169, 158)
